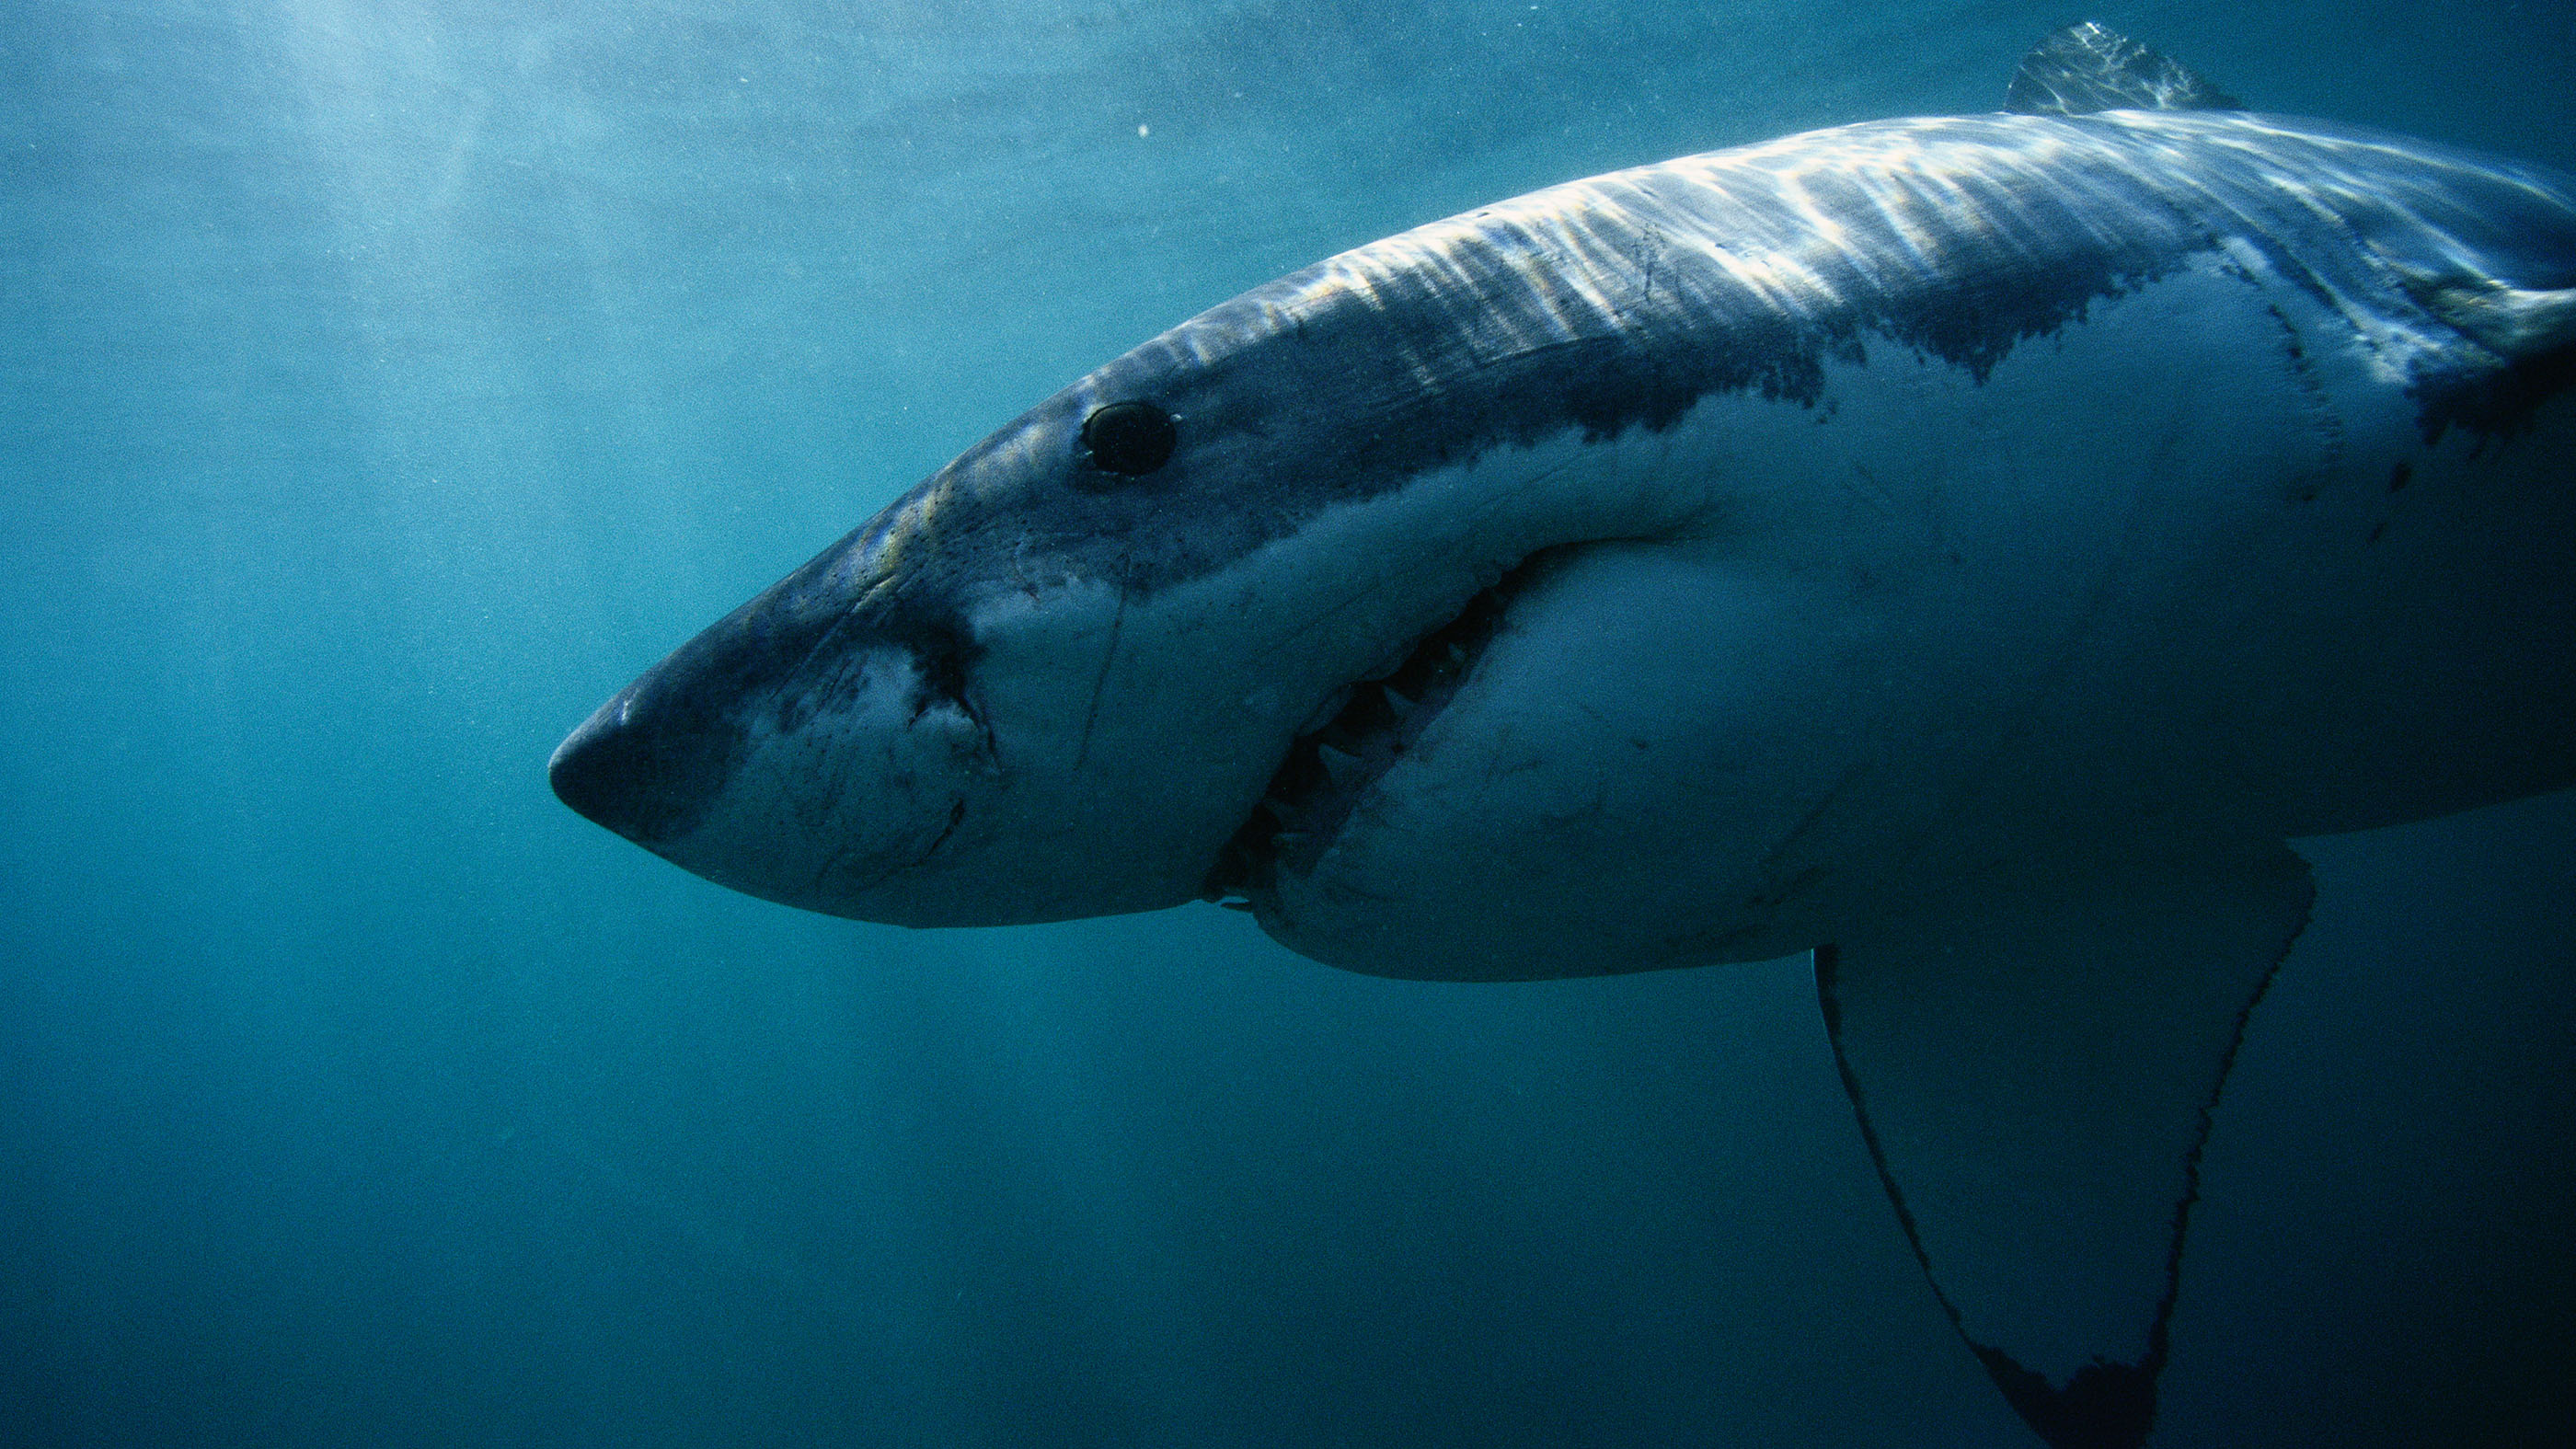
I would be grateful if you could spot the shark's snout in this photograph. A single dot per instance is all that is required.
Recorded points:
(637, 767)
(797, 751)
(591, 773)
(602, 769)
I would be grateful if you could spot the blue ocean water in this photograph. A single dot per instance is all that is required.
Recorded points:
(386, 382)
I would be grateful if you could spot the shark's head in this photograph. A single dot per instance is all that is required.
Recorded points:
(1061, 677)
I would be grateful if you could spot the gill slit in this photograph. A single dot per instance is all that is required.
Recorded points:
(1100, 681)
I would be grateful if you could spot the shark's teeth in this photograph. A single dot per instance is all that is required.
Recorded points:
(1361, 731)
(1326, 712)
(1341, 765)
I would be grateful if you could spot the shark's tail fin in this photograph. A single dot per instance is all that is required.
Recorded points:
(2086, 68)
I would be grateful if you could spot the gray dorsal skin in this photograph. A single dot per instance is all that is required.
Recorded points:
(2086, 68)
(1967, 548)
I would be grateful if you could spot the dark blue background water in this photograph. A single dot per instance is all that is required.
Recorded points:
(383, 383)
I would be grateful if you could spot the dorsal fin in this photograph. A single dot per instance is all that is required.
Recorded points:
(2086, 68)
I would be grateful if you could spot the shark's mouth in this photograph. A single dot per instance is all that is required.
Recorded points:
(1328, 770)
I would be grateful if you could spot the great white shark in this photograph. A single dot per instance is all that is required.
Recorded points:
(1965, 548)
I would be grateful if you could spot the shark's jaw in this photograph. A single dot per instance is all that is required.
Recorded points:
(1366, 727)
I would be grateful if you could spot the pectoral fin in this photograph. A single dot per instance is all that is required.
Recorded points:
(2516, 323)
(2034, 1063)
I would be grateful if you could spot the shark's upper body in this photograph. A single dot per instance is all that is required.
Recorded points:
(1971, 546)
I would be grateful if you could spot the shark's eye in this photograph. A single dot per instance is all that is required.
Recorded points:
(1129, 437)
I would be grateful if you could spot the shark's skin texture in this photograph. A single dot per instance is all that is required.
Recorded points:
(1964, 547)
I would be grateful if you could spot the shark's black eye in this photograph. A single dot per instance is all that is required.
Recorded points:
(1129, 437)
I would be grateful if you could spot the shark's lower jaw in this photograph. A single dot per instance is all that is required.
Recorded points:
(1377, 720)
